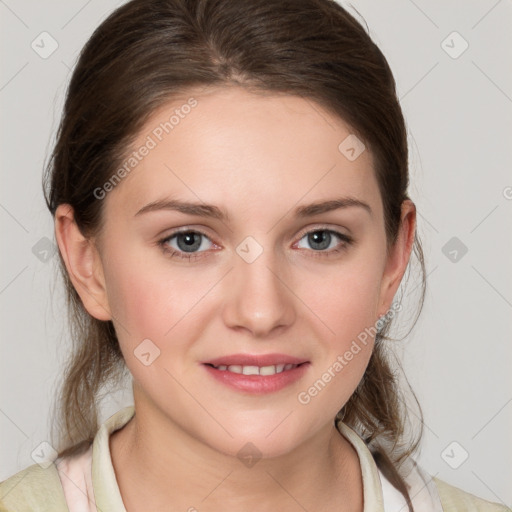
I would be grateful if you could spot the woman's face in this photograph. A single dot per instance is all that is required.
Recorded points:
(263, 280)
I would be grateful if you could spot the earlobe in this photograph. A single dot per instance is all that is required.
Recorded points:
(399, 256)
(82, 262)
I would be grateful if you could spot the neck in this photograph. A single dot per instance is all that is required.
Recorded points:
(158, 464)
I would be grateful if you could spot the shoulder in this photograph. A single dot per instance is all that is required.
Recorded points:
(455, 499)
(35, 489)
(431, 494)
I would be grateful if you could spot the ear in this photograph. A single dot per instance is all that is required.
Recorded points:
(399, 256)
(82, 262)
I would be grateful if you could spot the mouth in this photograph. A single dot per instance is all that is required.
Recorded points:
(257, 374)
(255, 370)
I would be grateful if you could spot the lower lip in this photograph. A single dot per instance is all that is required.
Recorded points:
(258, 384)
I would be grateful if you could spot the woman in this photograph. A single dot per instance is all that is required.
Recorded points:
(229, 188)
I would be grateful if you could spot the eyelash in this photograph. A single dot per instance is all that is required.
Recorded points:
(172, 253)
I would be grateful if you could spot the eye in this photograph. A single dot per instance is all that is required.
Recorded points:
(184, 244)
(322, 239)
(190, 244)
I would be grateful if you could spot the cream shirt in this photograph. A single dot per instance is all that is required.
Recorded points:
(87, 483)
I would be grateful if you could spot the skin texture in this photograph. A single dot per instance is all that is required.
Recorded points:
(258, 156)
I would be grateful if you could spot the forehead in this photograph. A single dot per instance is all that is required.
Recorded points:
(251, 148)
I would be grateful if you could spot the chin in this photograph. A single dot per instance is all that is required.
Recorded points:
(263, 439)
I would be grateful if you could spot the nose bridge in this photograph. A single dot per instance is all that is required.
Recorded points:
(258, 298)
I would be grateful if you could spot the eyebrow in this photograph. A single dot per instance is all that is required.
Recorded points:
(212, 211)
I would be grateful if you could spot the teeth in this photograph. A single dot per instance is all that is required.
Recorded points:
(250, 370)
(267, 370)
(256, 370)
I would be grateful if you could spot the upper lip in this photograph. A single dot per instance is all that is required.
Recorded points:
(255, 360)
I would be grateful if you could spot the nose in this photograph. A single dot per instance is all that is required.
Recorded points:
(259, 299)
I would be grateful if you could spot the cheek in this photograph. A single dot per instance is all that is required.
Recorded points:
(151, 316)
(345, 300)
(145, 295)
(153, 300)
(137, 300)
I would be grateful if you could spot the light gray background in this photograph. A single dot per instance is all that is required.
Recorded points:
(458, 111)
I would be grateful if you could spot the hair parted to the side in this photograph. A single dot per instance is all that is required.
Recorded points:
(148, 52)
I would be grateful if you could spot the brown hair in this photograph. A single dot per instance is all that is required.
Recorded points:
(148, 52)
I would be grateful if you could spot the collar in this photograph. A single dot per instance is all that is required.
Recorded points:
(106, 490)
(372, 489)
(108, 496)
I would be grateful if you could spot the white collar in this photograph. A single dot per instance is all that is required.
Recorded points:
(90, 484)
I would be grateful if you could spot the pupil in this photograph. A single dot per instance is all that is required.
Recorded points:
(186, 241)
(320, 237)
